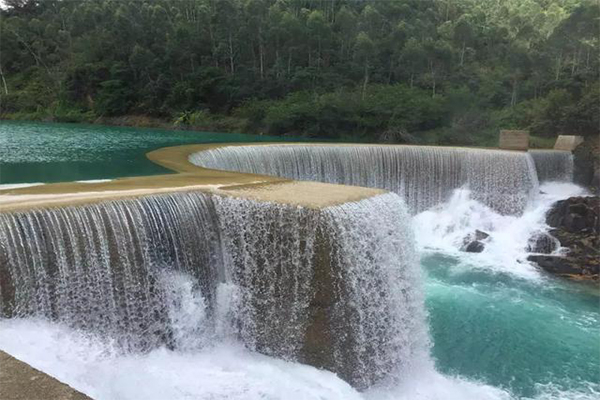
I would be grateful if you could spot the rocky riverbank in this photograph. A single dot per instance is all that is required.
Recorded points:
(587, 164)
(575, 224)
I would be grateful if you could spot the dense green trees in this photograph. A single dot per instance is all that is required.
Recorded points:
(441, 71)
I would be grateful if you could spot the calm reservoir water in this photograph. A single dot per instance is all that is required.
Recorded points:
(32, 152)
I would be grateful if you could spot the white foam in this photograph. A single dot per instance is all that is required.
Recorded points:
(444, 228)
(7, 186)
(223, 371)
(94, 181)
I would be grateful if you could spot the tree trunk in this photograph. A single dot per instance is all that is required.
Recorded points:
(432, 78)
(261, 60)
(462, 54)
(558, 66)
(366, 80)
(231, 62)
(575, 62)
(3, 81)
(513, 98)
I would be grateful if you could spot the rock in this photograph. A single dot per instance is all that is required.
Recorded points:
(586, 160)
(480, 235)
(583, 267)
(575, 214)
(474, 247)
(472, 243)
(575, 225)
(542, 242)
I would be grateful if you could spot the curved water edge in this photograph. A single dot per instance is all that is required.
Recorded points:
(423, 176)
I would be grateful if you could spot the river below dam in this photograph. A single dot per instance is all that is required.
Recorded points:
(495, 326)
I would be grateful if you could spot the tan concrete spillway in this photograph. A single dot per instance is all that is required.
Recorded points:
(28, 203)
(450, 167)
(189, 177)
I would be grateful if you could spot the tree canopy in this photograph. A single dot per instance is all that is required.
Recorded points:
(450, 71)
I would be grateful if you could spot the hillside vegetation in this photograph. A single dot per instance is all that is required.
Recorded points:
(447, 71)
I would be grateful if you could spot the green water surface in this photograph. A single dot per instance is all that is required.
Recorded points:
(47, 152)
(528, 336)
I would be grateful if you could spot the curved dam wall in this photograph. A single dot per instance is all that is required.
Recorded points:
(553, 165)
(335, 286)
(423, 176)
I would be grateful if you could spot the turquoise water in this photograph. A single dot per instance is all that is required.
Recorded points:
(527, 336)
(46, 152)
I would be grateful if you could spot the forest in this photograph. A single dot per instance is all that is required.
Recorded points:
(406, 71)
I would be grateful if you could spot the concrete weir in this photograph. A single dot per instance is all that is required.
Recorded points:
(321, 273)
(285, 251)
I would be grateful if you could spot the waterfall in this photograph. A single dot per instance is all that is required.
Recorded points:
(423, 176)
(102, 268)
(378, 305)
(553, 165)
(337, 287)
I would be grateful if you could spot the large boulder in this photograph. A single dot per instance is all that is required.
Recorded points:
(580, 215)
(575, 224)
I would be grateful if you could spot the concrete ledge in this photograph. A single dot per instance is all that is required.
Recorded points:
(19, 381)
(514, 140)
(189, 178)
(567, 143)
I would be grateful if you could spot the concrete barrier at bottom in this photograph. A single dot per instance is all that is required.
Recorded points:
(20, 381)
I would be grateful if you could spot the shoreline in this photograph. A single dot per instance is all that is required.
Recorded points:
(128, 121)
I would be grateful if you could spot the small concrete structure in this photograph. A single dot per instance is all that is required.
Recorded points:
(514, 140)
(567, 142)
(19, 381)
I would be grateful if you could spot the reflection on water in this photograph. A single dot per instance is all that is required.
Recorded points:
(48, 152)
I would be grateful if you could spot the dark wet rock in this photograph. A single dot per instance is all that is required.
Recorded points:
(472, 243)
(542, 242)
(586, 160)
(474, 247)
(575, 215)
(583, 267)
(481, 235)
(473, 236)
(575, 224)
